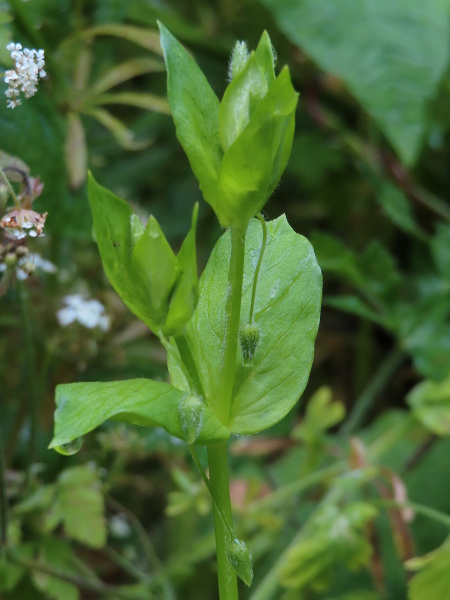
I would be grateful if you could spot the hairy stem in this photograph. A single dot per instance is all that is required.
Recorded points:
(220, 486)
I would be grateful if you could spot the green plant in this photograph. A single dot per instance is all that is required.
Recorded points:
(240, 342)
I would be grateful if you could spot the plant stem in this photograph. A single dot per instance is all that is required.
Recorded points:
(258, 265)
(87, 584)
(10, 188)
(220, 485)
(215, 501)
(420, 509)
(232, 321)
(30, 376)
(4, 513)
(363, 404)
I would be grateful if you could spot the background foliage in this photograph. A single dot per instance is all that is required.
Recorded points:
(348, 497)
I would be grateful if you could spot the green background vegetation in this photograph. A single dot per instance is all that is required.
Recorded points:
(317, 496)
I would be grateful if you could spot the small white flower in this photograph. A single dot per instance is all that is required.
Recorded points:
(89, 313)
(28, 69)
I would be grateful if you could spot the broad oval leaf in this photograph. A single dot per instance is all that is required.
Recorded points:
(287, 310)
(81, 407)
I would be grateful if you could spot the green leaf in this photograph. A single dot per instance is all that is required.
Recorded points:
(81, 407)
(154, 270)
(287, 309)
(195, 109)
(355, 306)
(236, 105)
(432, 582)
(333, 538)
(322, 413)
(123, 136)
(430, 403)
(396, 206)
(80, 504)
(76, 151)
(184, 298)
(141, 36)
(124, 72)
(391, 55)
(136, 99)
(10, 573)
(158, 287)
(57, 554)
(114, 236)
(252, 166)
(440, 249)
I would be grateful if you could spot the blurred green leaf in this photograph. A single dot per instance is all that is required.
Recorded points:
(333, 538)
(396, 206)
(430, 403)
(287, 310)
(124, 72)
(390, 55)
(355, 306)
(432, 582)
(57, 554)
(136, 99)
(440, 249)
(80, 505)
(81, 407)
(124, 136)
(76, 151)
(322, 413)
(145, 37)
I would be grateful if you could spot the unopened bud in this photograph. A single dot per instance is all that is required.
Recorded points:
(239, 58)
(248, 339)
(190, 410)
(10, 259)
(239, 555)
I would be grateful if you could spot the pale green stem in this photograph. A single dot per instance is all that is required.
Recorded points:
(217, 452)
(215, 501)
(232, 321)
(258, 266)
(220, 485)
(10, 188)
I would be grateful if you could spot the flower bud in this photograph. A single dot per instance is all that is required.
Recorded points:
(239, 58)
(239, 555)
(248, 339)
(190, 410)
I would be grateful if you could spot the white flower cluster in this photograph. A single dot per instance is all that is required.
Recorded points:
(28, 264)
(29, 67)
(89, 313)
